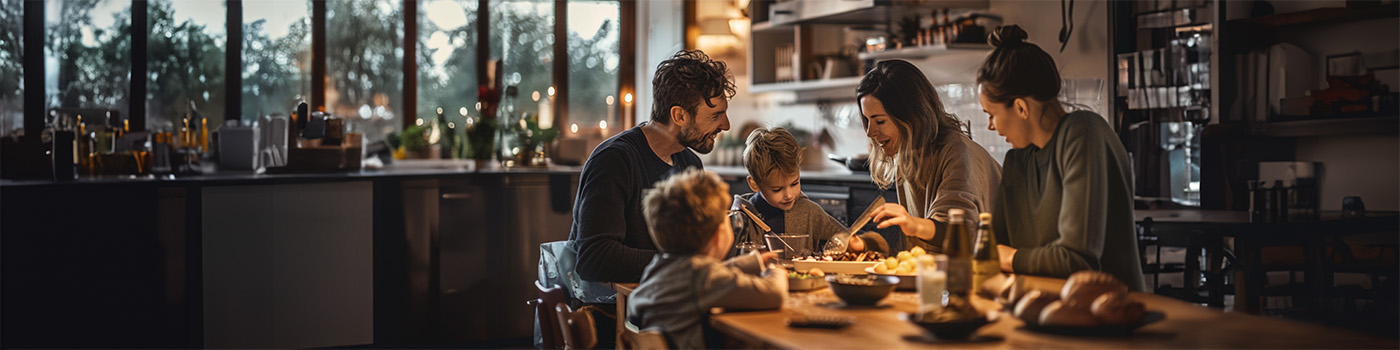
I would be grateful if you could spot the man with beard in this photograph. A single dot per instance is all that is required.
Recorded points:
(609, 234)
(608, 239)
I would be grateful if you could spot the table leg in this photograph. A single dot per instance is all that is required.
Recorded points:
(1215, 280)
(1249, 276)
(621, 319)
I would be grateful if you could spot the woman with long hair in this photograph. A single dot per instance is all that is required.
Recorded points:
(924, 152)
(1066, 197)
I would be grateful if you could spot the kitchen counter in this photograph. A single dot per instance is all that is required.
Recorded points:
(399, 169)
(828, 174)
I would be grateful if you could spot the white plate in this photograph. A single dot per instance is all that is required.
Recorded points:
(906, 282)
(846, 267)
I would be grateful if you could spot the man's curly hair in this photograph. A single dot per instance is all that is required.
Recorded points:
(686, 79)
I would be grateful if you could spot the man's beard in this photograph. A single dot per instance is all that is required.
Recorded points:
(692, 138)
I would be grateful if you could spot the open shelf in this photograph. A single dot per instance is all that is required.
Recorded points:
(808, 85)
(923, 51)
(1330, 126)
(1320, 16)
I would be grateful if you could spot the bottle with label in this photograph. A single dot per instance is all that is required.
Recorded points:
(958, 247)
(986, 262)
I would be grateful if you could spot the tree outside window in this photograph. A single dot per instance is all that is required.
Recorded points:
(594, 55)
(87, 57)
(364, 65)
(276, 56)
(11, 67)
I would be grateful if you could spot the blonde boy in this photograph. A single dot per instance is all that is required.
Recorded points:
(772, 158)
(687, 218)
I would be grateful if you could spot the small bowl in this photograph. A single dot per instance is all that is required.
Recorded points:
(861, 290)
(949, 330)
(805, 284)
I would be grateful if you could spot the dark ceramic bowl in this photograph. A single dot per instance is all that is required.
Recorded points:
(949, 330)
(861, 290)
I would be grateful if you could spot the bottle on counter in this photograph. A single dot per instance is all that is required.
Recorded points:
(958, 247)
(986, 262)
(508, 150)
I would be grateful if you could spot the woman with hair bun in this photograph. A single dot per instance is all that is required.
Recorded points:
(1066, 197)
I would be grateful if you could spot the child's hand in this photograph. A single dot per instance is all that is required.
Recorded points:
(767, 257)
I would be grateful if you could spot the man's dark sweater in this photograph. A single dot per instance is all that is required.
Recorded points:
(608, 232)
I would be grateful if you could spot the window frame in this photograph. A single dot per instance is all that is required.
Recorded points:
(35, 108)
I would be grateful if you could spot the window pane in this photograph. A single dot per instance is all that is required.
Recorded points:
(276, 56)
(364, 64)
(185, 61)
(447, 58)
(594, 33)
(11, 69)
(522, 34)
(87, 60)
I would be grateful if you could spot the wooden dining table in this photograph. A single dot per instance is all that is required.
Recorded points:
(1185, 326)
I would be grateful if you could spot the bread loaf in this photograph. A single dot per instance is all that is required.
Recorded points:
(1083, 287)
(1059, 314)
(1029, 307)
(1117, 308)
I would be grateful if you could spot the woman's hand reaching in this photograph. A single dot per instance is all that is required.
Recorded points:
(892, 214)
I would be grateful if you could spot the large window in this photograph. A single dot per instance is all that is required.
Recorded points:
(87, 57)
(11, 71)
(185, 61)
(522, 35)
(447, 41)
(594, 44)
(364, 64)
(89, 60)
(276, 56)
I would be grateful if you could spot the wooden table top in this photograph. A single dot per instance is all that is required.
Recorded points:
(1186, 326)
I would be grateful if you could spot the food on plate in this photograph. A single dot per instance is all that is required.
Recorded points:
(901, 263)
(1083, 287)
(812, 273)
(855, 281)
(1058, 313)
(846, 256)
(1116, 308)
(1030, 306)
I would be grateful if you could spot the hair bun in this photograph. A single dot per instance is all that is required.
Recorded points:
(1007, 36)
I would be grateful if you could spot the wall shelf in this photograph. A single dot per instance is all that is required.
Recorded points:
(1320, 16)
(809, 85)
(1330, 126)
(923, 51)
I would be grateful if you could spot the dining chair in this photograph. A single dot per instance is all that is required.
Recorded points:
(577, 326)
(551, 335)
(646, 339)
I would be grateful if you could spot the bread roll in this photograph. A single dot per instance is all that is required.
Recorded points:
(1058, 314)
(1117, 308)
(1083, 287)
(1029, 307)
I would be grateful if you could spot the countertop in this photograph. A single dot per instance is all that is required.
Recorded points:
(398, 169)
(835, 174)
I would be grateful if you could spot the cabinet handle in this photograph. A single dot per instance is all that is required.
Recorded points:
(456, 195)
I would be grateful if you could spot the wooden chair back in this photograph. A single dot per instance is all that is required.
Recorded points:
(646, 339)
(577, 325)
(551, 335)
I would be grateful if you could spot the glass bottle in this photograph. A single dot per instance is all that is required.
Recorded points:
(958, 248)
(508, 149)
(986, 262)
